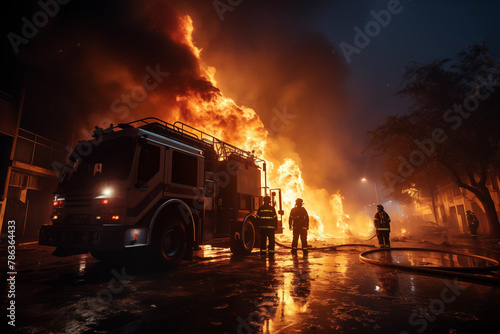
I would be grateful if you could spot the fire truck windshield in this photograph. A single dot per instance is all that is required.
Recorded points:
(108, 160)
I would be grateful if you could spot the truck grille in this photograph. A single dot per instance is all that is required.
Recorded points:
(77, 209)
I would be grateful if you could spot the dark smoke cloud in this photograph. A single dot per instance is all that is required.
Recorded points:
(267, 58)
(73, 65)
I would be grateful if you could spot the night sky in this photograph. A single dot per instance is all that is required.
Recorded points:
(269, 55)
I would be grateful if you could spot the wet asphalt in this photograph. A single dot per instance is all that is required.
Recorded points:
(329, 291)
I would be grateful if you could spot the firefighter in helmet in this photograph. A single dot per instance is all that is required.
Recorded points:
(473, 224)
(383, 227)
(268, 222)
(299, 222)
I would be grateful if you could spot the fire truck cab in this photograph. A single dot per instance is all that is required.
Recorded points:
(166, 187)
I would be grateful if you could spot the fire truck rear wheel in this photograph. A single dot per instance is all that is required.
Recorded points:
(171, 245)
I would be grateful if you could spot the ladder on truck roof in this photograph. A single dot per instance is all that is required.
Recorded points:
(222, 149)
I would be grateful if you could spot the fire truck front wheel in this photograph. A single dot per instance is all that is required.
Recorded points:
(244, 239)
(170, 246)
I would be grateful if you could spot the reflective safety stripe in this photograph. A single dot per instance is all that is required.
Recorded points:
(304, 228)
(383, 229)
(266, 226)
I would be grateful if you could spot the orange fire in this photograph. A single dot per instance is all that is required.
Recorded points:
(207, 109)
(221, 116)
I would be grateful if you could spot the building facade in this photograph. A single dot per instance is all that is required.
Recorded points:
(27, 179)
(451, 204)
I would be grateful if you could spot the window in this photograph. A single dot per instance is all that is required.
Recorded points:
(106, 160)
(149, 162)
(184, 169)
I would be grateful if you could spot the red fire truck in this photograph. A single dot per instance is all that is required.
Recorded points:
(166, 187)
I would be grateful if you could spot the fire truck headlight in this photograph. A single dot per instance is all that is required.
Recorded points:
(107, 192)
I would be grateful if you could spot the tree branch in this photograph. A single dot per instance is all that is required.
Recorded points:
(458, 180)
(483, 175)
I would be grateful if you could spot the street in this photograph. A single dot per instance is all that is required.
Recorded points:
(328, 291)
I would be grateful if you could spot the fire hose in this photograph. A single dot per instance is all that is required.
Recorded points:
(370, 238)
(461, 272)
(333, 246)
(327, 247)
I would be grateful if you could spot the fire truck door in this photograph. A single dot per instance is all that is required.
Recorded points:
(147, 183)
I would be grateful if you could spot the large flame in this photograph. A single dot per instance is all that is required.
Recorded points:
(203, 106)
(221, 116)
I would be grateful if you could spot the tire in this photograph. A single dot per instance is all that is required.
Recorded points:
(243, 239)
(170, 245)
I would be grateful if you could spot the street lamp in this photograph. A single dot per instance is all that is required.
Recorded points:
(375, 186)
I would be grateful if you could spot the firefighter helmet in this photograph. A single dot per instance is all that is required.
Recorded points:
(267, 199)
(380, 207)
(299, 202)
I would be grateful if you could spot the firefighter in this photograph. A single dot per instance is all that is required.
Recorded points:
(473, 224)
(299, 222)
(383, 227)
(268, 222)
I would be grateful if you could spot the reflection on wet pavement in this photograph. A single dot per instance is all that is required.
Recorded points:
(327, 291)
(430, 258)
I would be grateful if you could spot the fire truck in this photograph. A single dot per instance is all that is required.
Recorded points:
(167, 188)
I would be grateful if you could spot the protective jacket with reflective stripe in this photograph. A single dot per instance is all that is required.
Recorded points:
(382, 221)
(299, 219)
(266, 217)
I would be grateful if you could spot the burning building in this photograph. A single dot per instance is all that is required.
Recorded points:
(145, 60)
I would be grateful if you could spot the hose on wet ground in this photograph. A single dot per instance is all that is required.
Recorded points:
(459, 272)
(326, 247)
